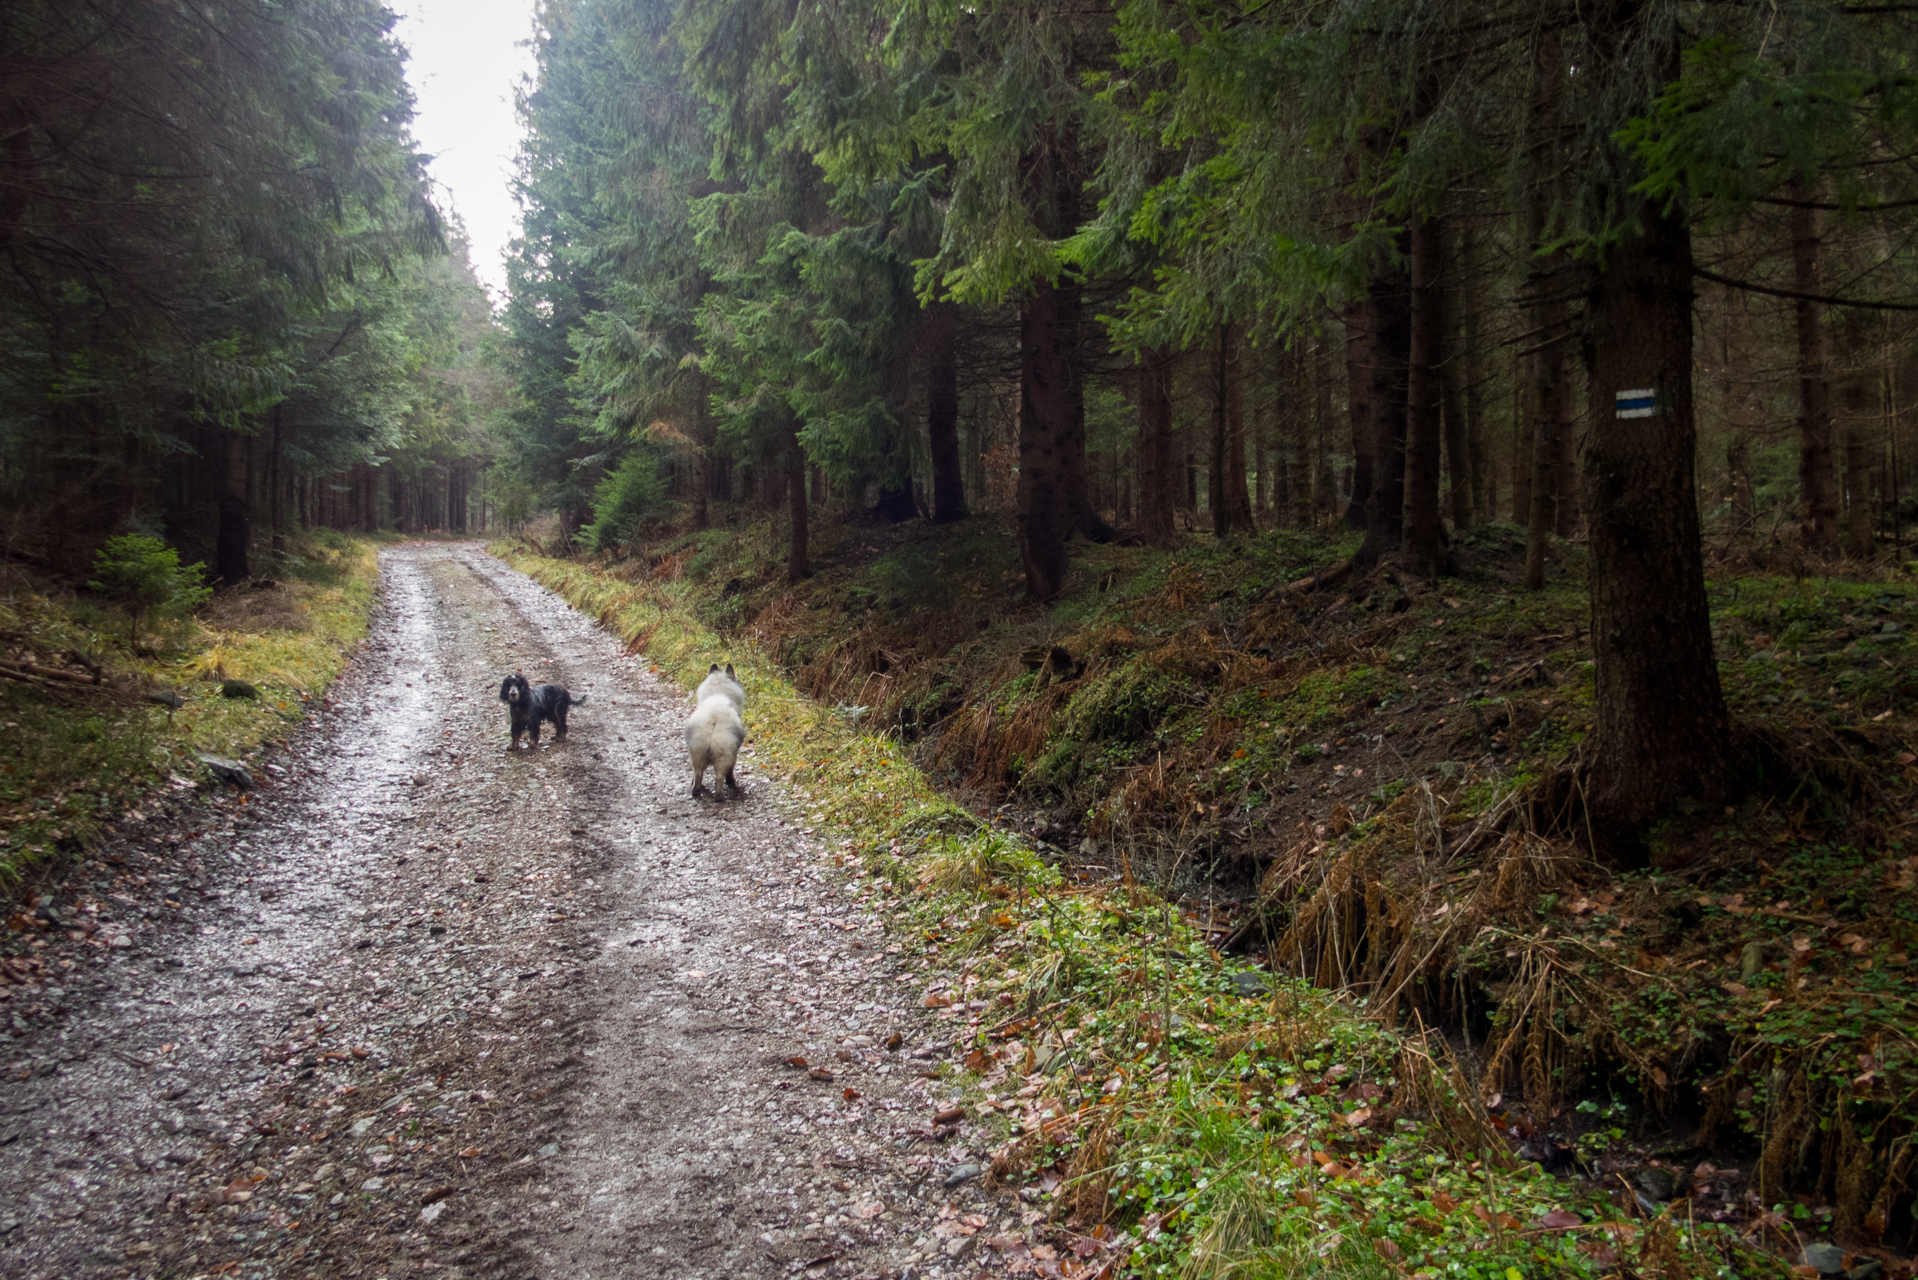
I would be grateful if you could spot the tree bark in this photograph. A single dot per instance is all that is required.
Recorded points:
(1524, 427)
(1661, 727)
(942, 412)
(1157, 458)
(276, 515)
(1051, 433)
(1358, 394)
(1857, 492)
(1565, 482)
(796, 498)
(1472, 374)
(1321, 498)
(1230, 502)
(1388, 340)
(1459, 460)
(1549, 380)
(1818, 506)
(236, 518)
(1424, 554)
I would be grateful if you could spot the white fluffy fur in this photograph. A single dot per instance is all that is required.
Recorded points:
(716, 730)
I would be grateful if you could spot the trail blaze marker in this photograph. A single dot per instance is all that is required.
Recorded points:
(1635, 404)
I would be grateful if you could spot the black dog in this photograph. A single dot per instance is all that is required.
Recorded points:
(527, 706)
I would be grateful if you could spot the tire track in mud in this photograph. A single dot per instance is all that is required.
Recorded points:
(428, 1005)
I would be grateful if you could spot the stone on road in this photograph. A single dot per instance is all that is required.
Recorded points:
(420, 1003)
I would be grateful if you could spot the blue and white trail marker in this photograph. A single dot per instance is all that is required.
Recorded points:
(1636, 404)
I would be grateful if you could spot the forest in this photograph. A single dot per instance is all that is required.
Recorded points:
(1633, 271)
(232, 309)
(1411, 496)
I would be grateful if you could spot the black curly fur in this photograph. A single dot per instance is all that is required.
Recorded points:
(527, 705)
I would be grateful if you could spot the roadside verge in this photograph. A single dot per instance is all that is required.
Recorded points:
(1181, 1114)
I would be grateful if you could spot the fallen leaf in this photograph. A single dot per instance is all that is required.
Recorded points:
(437, 1194)
(951, 1116)
(852, 1095)
(868, 1211)
(894, 1040)
(797, 1062)
(469, 1153)
(820, 1073)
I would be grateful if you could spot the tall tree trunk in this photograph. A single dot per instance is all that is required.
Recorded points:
(1298, 393)
(1549, 380)
(1565, 482)
(1459, 462)
(1319, 502)
(275, 513)
(1388, 341)
(1358, 397)
(1158, 468)
(1424, 554)
(1857, 492)
(236, 517)
(942, 412)
(1817, 502)
(1472, 374)
(1215, 499)
(1051, 432)
(1231, 504)
(796, 497)
(1661, 727)
(1524, 427)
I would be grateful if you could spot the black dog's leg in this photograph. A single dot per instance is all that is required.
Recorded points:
(559, 722)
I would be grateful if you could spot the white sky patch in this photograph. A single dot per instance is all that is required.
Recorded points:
(466, 61)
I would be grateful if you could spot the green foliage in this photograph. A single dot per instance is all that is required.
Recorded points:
(1124, 704)
(631, 493)
(144, 576)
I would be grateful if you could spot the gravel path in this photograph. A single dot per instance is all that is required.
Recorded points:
(422, 1004)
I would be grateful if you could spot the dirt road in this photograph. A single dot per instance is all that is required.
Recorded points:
(424, 1004)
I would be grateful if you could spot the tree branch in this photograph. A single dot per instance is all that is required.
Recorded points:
(1796, 296)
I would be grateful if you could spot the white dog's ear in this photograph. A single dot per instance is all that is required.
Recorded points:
(713, 668)
(729, 670)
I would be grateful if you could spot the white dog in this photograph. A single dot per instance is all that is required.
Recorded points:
(715, 730)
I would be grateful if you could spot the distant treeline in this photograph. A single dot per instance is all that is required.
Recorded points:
(229, 306)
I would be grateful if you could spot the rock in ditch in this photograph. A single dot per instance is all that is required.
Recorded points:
(231, 772)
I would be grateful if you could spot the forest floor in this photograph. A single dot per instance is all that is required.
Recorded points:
(1376, 786)
(1191, 926)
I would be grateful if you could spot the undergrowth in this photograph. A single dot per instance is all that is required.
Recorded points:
(77, 751)
(1185, 1112)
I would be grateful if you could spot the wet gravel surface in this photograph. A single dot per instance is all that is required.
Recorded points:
(424, 1004)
